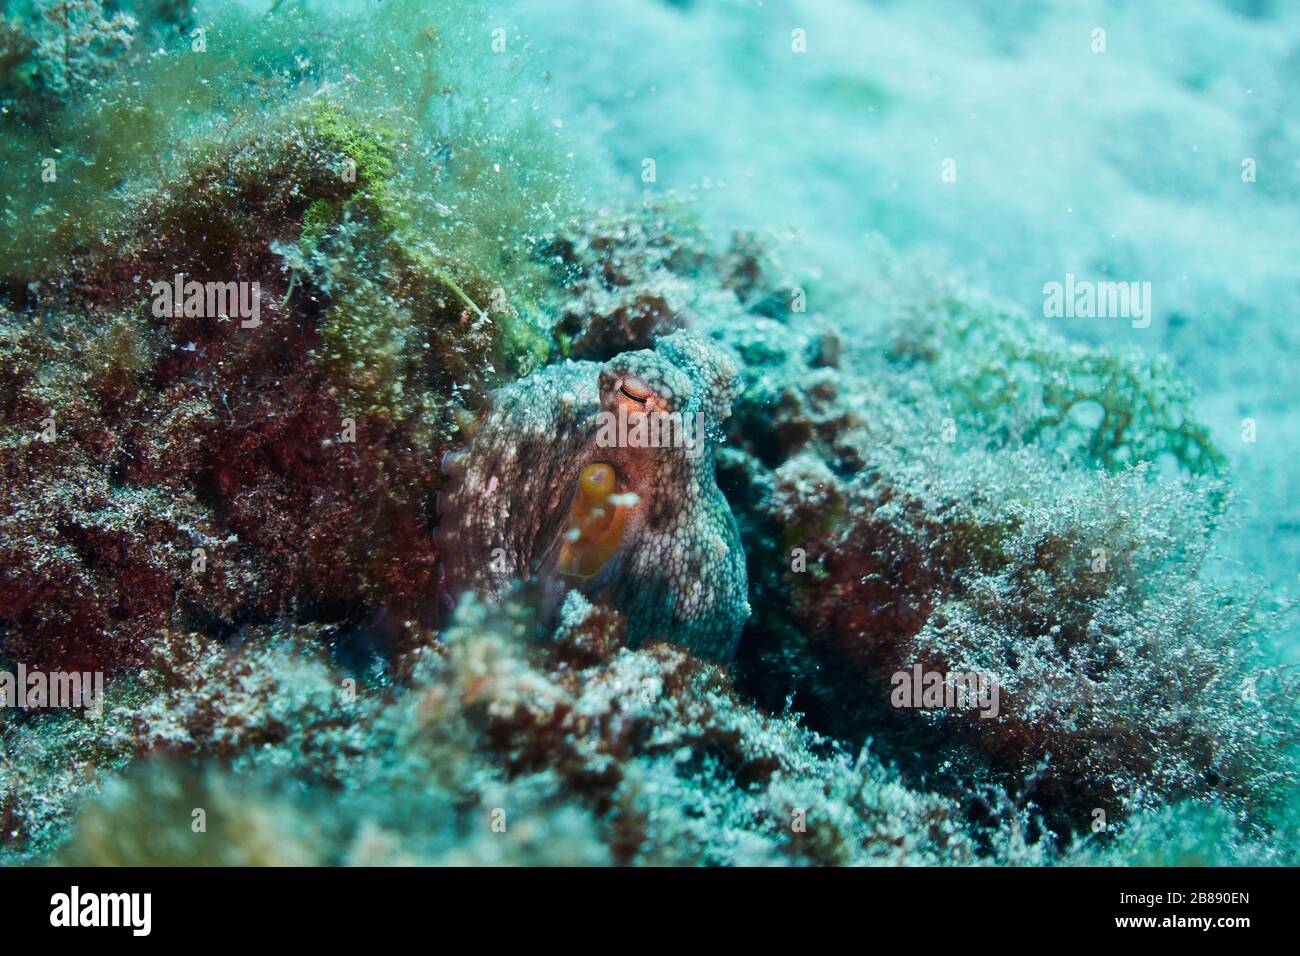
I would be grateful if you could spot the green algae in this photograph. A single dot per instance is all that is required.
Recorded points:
(369, 146)
(1009, 376)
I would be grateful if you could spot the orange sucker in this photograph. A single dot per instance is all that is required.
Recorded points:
(595, 526)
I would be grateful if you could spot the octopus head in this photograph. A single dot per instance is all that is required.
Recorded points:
(558, 485)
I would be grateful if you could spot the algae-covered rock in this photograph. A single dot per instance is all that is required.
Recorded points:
(935, 521)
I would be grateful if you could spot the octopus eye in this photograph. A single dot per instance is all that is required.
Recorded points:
(636, 390)
(595, 526)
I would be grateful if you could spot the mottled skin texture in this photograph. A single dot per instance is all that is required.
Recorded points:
(679, 570)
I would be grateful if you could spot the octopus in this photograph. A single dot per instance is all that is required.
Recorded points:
(601, 478)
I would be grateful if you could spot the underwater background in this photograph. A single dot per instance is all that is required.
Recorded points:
(235, 518)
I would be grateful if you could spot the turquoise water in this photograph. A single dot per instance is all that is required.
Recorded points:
(1117, 165)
